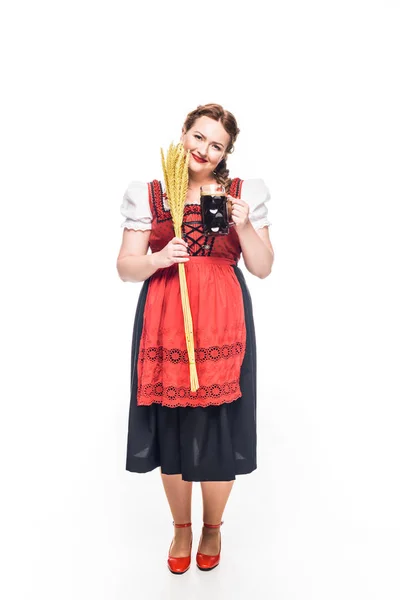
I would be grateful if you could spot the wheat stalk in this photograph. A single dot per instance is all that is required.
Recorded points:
(176, 176)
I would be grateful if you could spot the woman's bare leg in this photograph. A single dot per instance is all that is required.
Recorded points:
(215, 496)
(179, 495)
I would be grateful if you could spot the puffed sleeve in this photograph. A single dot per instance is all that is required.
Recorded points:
(135, 207)
(256, 194)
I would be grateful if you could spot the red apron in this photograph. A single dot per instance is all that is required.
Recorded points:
(217, 309)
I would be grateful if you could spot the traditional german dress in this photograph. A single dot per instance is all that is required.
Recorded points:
(209, 434)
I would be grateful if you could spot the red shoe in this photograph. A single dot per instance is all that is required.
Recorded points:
(206, 562)
(179, 565)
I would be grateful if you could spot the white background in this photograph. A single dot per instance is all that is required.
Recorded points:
(91, 91)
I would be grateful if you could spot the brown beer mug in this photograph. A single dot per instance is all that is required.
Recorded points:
(216, 209)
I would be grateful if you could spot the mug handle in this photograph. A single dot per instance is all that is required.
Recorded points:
(229, 210)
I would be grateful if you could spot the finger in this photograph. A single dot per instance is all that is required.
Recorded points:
(241, 209)
(179, 251)
(180, 241)
(238, 202)
(179, 244)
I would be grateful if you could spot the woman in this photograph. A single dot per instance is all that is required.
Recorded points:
(208, 435)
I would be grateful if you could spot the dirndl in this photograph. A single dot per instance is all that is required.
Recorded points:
(211, 443)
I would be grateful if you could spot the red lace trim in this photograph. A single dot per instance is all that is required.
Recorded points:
(175, 355)
(172, 396)
(236, 187)
(156, 198)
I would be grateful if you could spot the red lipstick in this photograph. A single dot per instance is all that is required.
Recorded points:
(198, 159)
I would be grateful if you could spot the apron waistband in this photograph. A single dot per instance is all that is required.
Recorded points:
(218, 260)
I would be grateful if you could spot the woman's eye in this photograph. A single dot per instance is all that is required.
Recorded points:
(198, 137)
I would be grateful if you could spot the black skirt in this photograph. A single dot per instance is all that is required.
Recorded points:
(214, 443)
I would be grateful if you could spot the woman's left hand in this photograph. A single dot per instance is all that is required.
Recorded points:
(240, 211)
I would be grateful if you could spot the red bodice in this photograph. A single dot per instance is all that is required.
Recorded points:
(224, 246)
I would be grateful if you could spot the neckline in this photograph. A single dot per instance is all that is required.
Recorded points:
(164, 213)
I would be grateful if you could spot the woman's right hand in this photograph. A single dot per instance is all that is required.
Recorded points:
(176, 251)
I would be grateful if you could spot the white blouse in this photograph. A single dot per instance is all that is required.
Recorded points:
(135, 205)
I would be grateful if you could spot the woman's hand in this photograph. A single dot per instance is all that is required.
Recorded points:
(176, 251)
(240, 212)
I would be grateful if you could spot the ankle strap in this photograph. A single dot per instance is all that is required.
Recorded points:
(212, 526)
(181, 524)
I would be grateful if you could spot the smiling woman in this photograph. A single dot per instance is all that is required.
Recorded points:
(208, 435)
(210, 133)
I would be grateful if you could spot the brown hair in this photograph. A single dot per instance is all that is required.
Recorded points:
(228, 121)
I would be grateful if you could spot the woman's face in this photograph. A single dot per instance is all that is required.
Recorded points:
(208, 141)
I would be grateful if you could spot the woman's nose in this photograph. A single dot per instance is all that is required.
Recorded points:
(202, 150)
